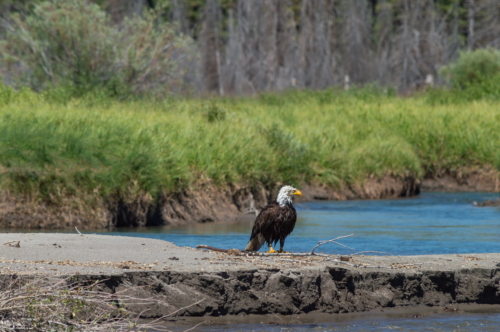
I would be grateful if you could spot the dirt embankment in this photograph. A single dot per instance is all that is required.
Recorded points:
(328, 290)
(206, 203)
(464, 180)
(210, 203)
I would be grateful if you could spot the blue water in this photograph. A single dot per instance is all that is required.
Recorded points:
(432, 223)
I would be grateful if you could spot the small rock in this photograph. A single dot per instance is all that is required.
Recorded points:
(174, 258)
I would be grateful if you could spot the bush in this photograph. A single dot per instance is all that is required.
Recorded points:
(74, 44)
(472, 68)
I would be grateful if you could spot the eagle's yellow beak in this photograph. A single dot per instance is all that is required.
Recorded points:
(297, 192)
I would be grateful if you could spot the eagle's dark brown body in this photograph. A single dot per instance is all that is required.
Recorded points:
(274, 223)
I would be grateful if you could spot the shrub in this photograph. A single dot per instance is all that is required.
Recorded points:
(213, 112)
(74, 43)
(472, 68)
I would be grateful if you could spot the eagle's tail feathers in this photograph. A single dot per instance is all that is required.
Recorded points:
(255, 243)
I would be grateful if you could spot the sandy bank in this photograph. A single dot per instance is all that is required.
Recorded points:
(234, 285)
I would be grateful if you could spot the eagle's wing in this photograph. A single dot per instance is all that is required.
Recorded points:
(265, 219)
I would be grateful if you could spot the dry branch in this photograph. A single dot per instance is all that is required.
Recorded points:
(327, 257)
(40, 304)
(320, 243)
(311, 253)
(16, 244)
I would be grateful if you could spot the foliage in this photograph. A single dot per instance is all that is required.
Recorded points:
(51, 150)
(73, 44)
(486, 89)
(214, 112)
(473, 68)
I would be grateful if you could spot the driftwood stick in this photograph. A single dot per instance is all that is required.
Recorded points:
(202, 246)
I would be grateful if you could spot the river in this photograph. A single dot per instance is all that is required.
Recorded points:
(432, 223)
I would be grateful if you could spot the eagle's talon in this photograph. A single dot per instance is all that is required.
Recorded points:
(271, 251)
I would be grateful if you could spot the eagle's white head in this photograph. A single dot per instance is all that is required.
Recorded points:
(285, 195)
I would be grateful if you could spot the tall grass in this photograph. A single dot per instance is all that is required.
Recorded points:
(51, 149)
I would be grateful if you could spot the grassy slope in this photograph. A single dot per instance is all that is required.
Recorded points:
(50, 150)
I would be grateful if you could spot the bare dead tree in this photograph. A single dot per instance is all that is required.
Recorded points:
(470, 21)
(455, 37)
(424, 43)
(487, 24)
(209, 40)
(245, 47)
(286, 47)
(356, 36)
(384, 46)
(316, 39)
(178, 14)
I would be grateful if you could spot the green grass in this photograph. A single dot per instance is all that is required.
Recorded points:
(52, 148)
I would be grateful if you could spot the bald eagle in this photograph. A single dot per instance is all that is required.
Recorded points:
(275, 221)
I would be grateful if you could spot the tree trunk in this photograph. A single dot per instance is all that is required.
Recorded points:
(209, 40)
(470, 19)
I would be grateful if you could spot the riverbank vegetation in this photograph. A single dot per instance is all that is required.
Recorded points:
(51, 149)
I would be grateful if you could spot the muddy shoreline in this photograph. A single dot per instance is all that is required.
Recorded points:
(240, 285)
(205, 203)
(210, 203)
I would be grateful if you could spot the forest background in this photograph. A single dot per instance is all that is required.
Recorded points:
(243, 47)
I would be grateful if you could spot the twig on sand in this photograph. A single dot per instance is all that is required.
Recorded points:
(78, 231)
(16, 244)
(202, 246)
(320, 243)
